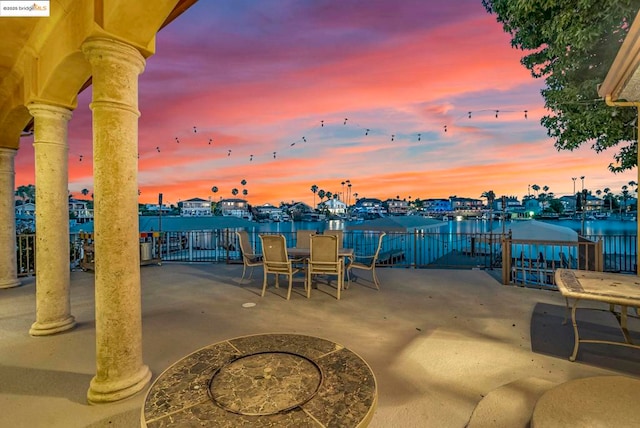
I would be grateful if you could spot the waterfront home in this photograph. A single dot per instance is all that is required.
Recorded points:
(267, 212)
(154, 209)
(531, 206)
(26, 210)
(79, 211)
(437, 205)
(299, 211)
(195, 207)
(397, 206)
(333, 206)
(234, 207)
(370, 207)
(466, 206)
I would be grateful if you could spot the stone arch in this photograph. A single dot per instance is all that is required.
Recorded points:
(12, 125)
(63, 82)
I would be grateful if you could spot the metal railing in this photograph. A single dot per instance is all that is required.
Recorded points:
(617, 253)
(534, 262)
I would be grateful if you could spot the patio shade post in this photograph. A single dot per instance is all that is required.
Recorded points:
(506, 259)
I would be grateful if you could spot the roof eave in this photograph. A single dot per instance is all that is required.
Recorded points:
(623, 79)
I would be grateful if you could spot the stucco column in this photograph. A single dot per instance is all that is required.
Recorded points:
(8, 261)
(53, 306)
(120, 371)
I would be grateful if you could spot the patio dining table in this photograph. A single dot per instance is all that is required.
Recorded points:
(297, 252)
(609, 288)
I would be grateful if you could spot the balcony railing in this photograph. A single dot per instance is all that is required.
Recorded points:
(530, 263)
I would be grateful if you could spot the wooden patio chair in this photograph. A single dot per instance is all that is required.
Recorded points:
(276, 261)
(250, 258)
(367, 263)
(324, 260)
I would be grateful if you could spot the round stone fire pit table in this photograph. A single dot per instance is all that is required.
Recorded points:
(266, 380)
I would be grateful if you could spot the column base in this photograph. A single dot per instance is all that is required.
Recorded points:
(49, 328)
(101, 392)
(9, 283)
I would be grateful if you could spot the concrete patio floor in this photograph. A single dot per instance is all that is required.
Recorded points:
(438, 341)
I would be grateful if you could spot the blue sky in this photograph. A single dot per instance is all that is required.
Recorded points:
(260, 90)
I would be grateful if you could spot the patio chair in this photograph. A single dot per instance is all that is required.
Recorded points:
(324, 260)
(367, 263)
(276, 261)
(250, 258)
(337, 233)
(303, 238)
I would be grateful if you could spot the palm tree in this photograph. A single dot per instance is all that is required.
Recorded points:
(314, 189)
(625, 196)
(245, 192)
(243, 182)
(234, 191)
(329, 195)
(321, 195)
(343, 183)
(84, 192)
(491, 196)
(634, 185)
(214, 189)
(348, 192)
(607, 195)
(535, 188)
(599, 192)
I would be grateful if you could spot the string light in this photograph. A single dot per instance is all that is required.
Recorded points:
(469, 115)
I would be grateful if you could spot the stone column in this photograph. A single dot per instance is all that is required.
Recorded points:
(120, 370)
(8, 261)
(53, 306)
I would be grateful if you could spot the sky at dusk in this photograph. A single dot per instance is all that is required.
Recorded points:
(286, 94)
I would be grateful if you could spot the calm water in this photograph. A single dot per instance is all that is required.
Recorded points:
(592, 227)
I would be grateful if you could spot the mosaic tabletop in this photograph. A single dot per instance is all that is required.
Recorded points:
(284, 380)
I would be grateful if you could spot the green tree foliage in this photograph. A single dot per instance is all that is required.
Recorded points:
(26, 193)
(572, 44)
